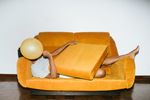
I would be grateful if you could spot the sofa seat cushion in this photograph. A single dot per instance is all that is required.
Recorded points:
(110, 82)
(81, 60)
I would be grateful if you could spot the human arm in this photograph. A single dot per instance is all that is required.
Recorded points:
(53, 71)
(59, 50)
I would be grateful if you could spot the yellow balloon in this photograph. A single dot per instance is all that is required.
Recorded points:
(31, 48)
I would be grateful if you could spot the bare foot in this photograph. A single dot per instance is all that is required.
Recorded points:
(72, 42)
(134, 52)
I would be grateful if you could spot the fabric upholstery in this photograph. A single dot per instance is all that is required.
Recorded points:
(81, 60)
(120, 75)
(53, 40)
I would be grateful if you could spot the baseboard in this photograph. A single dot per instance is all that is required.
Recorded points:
(142, 79)
(8, 75)
(138, 79)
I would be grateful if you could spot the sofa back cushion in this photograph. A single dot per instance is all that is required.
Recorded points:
(98, 38)
(54, 40)
(92, 37)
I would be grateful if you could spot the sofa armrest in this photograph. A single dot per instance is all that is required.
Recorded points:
(129, 71)
(125, 69)
(23, 70)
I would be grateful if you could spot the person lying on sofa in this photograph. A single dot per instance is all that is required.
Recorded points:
(40, 67)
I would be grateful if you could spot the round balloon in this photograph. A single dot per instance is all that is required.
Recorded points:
(31, 48)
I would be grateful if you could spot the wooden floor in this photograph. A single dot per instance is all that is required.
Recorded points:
(11, 90)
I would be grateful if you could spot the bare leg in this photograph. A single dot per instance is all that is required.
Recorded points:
(53, 71)
(101, 73)
(111, 60)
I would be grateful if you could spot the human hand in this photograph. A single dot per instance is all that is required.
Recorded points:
(72, 42)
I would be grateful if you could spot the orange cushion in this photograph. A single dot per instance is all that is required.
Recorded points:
(81, 60)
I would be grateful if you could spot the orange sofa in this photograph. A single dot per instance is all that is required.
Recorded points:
(120, 75)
